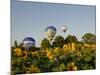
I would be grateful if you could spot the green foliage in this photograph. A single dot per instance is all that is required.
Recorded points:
(84, 59)
(21, 45)
(53, 59)
(33, 48)
(58, 41)
(45, 43)
(71, 38)
(89, 38)
(61, 67)
(16, 43)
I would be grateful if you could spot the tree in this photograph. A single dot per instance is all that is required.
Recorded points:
(71, 38)
(45, 43)
(75, 38)
(15, 44)
(89, 38)
(34, 48)
(58, 41)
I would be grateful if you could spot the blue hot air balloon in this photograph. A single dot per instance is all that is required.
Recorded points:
(50, 32)
(28, 42)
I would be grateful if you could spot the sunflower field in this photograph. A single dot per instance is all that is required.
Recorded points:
(69, 57)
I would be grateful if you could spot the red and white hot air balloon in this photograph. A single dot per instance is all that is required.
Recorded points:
(64, 28)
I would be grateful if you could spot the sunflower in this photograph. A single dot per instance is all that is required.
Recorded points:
(56, 50)
(25, 54)
(50, 55)
(65, 47)
(71, 66)
(34, 69)
(34, 53)
(18, 51)
(73, 47)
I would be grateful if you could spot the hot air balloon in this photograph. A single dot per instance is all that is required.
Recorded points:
(64, 28)
(50, 32)
(28, 42)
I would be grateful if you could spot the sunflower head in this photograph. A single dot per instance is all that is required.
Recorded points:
(25, 54)
(66, 48)
(71, 66)
(57, 51)
(50, 55)
(34, 53)
(18, 51)
(34, 69)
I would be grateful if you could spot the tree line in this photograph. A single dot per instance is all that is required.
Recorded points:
(59, 41)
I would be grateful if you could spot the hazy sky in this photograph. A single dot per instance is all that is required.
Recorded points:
(29, 19)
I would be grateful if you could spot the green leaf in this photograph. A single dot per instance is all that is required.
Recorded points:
(19, 59)
(35, 62)
(85, 66)
(55, 69)
(87, 58)
(61, 67)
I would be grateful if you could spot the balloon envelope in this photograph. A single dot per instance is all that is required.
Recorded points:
(64, 28)
(50, 32)
(28, 42)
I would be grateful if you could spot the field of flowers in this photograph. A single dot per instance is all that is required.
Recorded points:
(53, 59)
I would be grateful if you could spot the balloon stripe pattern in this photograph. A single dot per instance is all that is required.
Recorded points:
(28, 42)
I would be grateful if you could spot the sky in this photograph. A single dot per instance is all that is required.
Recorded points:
(29, 19)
